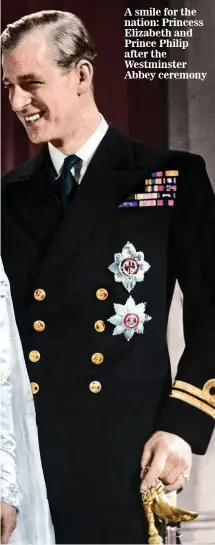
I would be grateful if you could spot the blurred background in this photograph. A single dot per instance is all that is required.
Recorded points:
(179, 114)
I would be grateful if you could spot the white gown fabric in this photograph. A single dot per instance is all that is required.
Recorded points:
(22, 480)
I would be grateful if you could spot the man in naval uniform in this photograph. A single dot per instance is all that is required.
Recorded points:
(96, 230)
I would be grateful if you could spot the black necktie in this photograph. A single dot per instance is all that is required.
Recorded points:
(68, 185)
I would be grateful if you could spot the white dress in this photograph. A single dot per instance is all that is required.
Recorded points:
(22, 480)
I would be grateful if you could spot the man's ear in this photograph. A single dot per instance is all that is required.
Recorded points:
(84, 70)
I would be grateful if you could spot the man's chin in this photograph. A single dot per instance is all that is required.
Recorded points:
(38, 139)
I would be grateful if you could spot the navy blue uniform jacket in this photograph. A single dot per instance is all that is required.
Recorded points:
(93, 419)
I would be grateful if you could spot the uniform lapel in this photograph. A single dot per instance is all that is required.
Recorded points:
(110, 177)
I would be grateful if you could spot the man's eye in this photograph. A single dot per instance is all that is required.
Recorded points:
(33, 82)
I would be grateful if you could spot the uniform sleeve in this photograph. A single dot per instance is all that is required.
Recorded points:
(9, 492)
(190, 408)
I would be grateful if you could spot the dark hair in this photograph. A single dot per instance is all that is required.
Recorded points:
(69, 39)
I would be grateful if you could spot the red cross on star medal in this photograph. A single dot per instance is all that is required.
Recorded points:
(129, 318)
(129, 267)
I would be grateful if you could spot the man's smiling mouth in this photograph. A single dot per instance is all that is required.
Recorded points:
(34, 117)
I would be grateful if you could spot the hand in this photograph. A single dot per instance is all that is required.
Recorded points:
(8, 521)
(169, 458)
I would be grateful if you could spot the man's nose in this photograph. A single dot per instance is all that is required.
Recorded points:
(19, 99)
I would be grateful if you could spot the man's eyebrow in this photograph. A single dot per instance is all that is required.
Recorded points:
(23, 78)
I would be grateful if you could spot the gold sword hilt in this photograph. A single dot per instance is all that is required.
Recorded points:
(156, 502)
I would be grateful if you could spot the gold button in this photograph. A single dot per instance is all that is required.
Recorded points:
(34, 387)
(99, 326)
(97, 358)
(39, 294)
(34, 355)
(39, 325)
(95, 387)
(102, 294)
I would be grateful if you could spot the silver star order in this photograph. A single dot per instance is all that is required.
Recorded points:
(129, 267)
(129, 318)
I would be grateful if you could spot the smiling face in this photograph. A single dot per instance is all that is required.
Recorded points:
(37, 85)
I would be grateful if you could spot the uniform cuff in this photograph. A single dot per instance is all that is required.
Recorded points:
(188, 422)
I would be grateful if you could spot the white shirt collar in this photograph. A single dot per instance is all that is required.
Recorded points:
(86, 151)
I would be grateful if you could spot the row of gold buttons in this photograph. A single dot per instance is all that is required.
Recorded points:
(38, 325)
(98, 358)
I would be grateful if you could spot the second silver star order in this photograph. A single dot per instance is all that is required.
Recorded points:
(129, 318)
